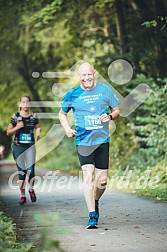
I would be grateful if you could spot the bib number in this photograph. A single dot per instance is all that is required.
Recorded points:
(25, 138)
(92, 122)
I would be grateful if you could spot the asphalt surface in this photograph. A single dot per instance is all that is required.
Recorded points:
(127, 222)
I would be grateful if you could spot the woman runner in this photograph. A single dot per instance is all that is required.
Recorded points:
(22, 126)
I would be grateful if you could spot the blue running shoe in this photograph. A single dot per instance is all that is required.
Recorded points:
(92, 222)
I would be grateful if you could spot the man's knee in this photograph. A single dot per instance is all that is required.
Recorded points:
(88, 173)
(102, 182)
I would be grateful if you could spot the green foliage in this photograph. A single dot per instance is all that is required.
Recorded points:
(150, 128)
(160, 22)
(45, 15)
(159, 171)
(150, 182)
(121, 145)
(63, 158)
(140, 141)
(44, 36)
(150, 23)
(47, 222)
(8, 240)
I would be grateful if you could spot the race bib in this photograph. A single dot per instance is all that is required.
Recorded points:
(92, 122)
(25, 138)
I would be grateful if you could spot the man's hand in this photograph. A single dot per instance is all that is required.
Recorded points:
(70, 132)
(104, 118)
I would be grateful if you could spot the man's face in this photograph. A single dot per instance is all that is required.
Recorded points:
(87, 77)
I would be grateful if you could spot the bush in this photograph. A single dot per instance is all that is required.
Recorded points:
(8, 240)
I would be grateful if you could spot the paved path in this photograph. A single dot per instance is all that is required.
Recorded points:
(127, 222)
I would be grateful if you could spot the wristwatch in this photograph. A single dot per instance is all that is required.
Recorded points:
(110, 117)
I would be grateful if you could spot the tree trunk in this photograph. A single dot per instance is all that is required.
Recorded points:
(25, 72)
(160, 40)
(120, 26)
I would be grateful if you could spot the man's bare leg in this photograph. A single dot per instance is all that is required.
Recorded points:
(100, 182)
(88, 186)
(100, 187)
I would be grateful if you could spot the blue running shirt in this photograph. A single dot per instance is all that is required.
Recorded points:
(87, 106)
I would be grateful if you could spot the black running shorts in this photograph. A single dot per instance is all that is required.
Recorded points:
(98, 155)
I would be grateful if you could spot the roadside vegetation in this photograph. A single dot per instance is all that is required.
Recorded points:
(10, 243)
(8, 236)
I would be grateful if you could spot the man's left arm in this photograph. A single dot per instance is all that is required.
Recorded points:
(113, 115)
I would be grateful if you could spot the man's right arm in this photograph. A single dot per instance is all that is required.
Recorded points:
(65, 124)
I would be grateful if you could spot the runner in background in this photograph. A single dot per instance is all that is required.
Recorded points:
(22, 126)
(94, 105)
(2, 152)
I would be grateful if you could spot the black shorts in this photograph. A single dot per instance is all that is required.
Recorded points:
(98, 155)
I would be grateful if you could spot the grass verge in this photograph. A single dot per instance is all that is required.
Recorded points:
(149, 183)
(8, 238)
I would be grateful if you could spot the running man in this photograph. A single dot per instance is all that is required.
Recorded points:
(22, 125)
(94, 105)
